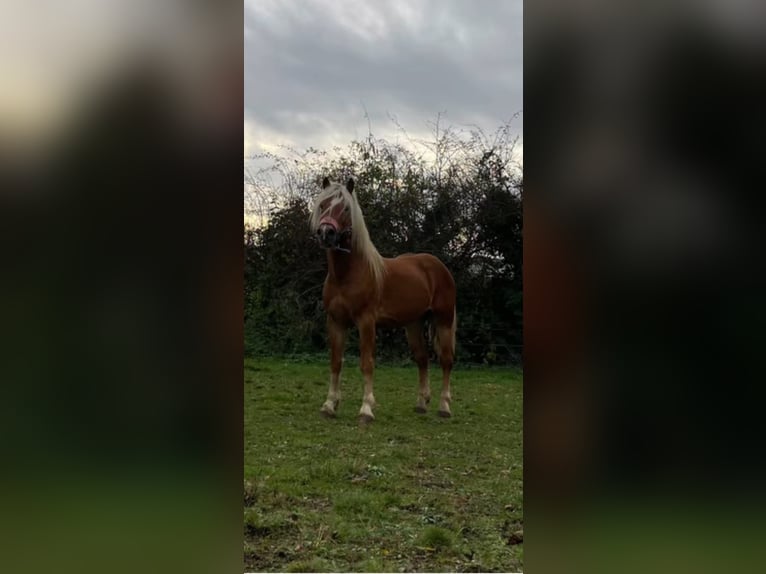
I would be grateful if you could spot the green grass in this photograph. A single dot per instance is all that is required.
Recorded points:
(407, 493)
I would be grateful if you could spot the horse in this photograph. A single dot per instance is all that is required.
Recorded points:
(365, 289)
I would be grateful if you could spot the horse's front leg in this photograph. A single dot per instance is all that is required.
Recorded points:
(367, 346)
(336, 335)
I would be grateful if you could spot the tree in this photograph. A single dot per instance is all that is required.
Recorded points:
(458, 197)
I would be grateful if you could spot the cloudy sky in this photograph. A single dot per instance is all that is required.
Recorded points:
(312, 67)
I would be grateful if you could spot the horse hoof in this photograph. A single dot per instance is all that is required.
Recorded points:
(420, 410)
(365, 419)
(327, 414)
(445, 414)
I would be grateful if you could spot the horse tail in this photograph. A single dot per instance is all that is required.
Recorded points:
(434, 336)
(454, 332)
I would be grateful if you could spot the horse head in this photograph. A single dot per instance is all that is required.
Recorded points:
(332, 215)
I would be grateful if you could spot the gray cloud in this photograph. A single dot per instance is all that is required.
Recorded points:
(310, 66)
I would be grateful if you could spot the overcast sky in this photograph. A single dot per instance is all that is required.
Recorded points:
(313, 66)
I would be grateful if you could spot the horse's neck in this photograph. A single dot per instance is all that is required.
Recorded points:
(342, 265)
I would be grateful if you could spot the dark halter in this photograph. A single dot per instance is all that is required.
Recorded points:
(346, 231)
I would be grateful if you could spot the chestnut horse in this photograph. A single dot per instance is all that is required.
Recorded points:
(365, 289)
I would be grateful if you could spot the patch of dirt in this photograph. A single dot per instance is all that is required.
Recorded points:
(257, 531)
(249, 497)
(516, 538)
(268, 559)
(253, 532)
(513, 532)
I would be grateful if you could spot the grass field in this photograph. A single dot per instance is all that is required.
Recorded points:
(408, 493)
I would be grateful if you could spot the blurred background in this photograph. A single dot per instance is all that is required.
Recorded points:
(643, 286)
(121, 292)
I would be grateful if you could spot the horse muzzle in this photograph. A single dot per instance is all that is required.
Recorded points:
(328, 235)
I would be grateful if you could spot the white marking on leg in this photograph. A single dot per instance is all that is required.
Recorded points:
(446, 396)
(333, 395)
(446, 399)
(366, 410)
(368, 402)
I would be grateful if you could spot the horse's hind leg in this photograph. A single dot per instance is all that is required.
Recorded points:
(420, 353)
(445, 346)
(337, 339)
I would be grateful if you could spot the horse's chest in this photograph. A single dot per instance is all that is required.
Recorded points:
(338, 310)
(344, 306)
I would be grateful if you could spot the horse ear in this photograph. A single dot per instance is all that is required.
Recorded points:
(325, 182)
(350, 185)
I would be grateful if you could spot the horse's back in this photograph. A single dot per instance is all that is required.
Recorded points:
(415, 284)
(425, 263)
